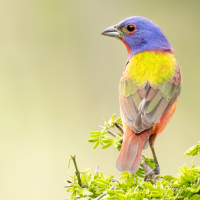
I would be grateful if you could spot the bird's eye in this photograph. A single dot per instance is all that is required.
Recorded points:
(130, 28)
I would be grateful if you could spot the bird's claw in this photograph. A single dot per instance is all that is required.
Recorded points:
(155, 171)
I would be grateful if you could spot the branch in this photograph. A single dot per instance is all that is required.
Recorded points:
(77, 172)
(147, 169)
(119, 127)
(68, 186)
(145, 166)
(104, 193)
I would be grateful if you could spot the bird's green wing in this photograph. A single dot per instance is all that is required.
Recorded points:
(142, 107)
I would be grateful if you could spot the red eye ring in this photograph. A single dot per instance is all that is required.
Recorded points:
(130, 28)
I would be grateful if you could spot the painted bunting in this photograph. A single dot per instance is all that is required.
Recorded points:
(148, 89)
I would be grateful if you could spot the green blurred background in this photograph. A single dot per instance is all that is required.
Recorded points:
(59, 78)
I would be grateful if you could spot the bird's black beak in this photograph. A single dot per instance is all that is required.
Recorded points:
(113, 31)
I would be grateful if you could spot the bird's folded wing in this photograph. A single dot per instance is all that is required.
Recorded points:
(144, 106)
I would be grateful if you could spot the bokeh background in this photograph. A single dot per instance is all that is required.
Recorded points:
(59, 79)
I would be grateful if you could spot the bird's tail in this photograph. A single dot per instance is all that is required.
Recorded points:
(130, 153)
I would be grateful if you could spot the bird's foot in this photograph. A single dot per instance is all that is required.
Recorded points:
(155, 171)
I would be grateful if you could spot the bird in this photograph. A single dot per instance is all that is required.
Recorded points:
(148, 89)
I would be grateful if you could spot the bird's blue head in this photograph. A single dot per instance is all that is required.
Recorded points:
(139, 34)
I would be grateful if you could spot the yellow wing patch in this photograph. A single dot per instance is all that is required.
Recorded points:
(155, 67)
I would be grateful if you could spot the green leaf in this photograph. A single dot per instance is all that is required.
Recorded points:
(69, 162)
(150, 162)
(73, 195)
(106, 146)
(86, 176)
(101, 137)
(110, 122)
(83, 179)
(193, 151)
(116, 144)
(96, 145)
(118, 120)
(96, 139)
(195, 189)
(195, 197)
(86, 192)
(95, 134)
(140, 173)
(108, 140)
(168, 177)
(103, 132)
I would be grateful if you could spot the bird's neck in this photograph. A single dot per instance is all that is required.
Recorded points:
(161, 44)
(156, 67)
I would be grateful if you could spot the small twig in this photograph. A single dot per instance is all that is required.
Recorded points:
(119, 127)
(147, 169)
(198, 180)
(104, 193)
(77, 171)
(67, 186)
(97, 170)
(111, 133)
